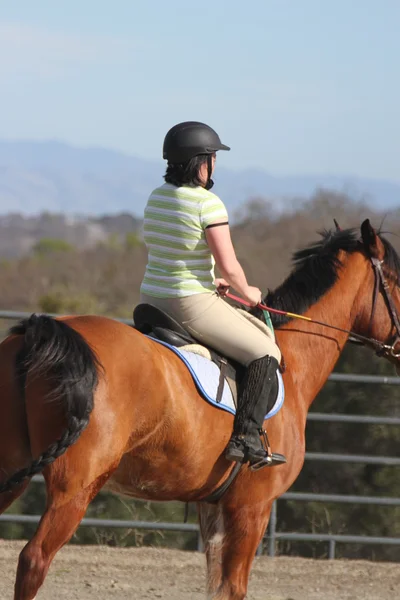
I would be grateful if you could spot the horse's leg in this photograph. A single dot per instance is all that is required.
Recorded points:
(212, 533)
(58, 524)
(244, 526)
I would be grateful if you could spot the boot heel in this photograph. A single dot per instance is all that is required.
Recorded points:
(234, 455)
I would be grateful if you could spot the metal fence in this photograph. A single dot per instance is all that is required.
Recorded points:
(272, 535)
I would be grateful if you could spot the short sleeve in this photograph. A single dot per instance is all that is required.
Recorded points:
(212, 210)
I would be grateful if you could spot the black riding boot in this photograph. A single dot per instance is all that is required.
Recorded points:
(253, 395)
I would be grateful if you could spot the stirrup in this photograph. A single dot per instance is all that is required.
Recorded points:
(271, 459)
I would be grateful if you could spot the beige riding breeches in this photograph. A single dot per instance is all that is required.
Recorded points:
(213, 322)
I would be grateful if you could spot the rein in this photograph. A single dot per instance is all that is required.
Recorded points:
(384, 350)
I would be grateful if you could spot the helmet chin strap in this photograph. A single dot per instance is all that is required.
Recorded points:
(209, 182)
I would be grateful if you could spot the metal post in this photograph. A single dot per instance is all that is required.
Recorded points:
(272, 530)
(332, 547)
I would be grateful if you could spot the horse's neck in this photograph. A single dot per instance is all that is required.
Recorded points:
(310, 350)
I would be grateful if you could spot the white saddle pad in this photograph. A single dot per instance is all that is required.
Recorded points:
(205, 374)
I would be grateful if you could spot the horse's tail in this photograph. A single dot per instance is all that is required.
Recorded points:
(53, 349)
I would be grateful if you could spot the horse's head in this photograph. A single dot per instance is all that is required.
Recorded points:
(378, 301)
(371, 276)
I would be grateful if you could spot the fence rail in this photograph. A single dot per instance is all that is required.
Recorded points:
(272, 534)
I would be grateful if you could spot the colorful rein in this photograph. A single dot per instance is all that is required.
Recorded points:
(384, 350)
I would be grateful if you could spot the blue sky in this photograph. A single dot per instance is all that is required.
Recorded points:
(293, 86)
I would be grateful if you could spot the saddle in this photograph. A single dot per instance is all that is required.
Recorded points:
(155, 323)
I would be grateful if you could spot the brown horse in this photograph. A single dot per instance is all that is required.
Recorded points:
(90, 401)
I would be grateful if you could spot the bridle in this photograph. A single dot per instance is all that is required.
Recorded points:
(384, 350)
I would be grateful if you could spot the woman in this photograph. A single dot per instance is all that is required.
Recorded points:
(186, 231)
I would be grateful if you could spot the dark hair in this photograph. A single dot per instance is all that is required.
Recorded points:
(186, 173)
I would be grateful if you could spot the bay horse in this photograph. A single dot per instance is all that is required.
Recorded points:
(92, 402)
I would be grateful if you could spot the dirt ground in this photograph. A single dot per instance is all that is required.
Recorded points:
(102, 573)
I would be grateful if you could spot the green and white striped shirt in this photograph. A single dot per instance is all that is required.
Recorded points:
(180, 262)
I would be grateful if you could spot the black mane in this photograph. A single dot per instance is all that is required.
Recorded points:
(392, 259)
(316, 270)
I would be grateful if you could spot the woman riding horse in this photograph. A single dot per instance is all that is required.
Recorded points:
(186, 231)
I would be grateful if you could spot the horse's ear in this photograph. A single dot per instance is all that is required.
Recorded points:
(372, 243)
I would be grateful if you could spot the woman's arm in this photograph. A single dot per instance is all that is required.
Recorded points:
(219, 240)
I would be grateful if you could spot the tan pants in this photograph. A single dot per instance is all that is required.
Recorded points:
(213, 322)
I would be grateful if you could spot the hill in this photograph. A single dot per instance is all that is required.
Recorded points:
(56, 177)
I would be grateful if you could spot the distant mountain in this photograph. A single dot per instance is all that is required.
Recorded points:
(56, 177)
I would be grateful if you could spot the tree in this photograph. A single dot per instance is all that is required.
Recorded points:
(49, 246)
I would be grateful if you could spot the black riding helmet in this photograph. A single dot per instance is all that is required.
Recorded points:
(189, 139)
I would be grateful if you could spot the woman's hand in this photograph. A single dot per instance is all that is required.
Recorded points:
(222, 286)
(253, 295)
